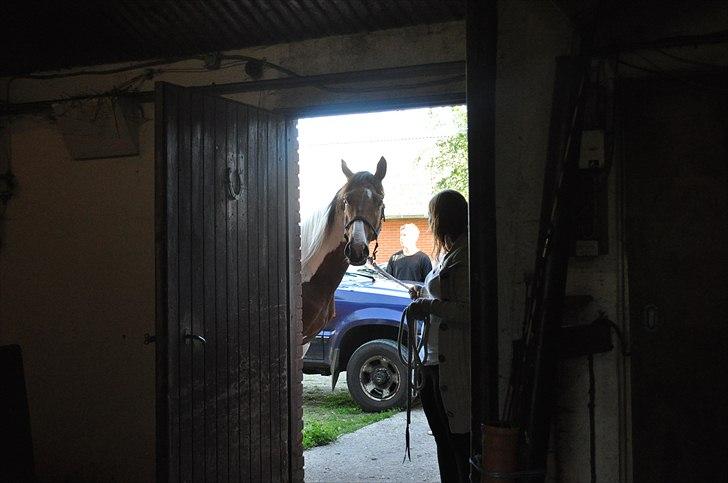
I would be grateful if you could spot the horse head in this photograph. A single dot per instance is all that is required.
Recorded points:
(362, 202)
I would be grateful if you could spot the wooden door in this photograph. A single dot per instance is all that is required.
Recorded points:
(228, 291)
(676, 183)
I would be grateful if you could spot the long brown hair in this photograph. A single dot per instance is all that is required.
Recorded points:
(448, 219)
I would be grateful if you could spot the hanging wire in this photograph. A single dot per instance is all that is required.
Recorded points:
(689, 61)
(659, 70)
(135, 82)
(117, 70)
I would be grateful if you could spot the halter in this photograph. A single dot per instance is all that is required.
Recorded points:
(371, 227)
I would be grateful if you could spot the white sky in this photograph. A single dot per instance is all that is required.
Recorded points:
(361, 139)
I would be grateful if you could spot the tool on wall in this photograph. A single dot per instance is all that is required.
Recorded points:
(573, 223)
(8, 182)
(531, 401)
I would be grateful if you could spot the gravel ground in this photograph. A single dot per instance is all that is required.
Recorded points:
(373, 453)
(324, 382)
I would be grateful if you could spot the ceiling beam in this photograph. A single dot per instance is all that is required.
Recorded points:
(427, 71)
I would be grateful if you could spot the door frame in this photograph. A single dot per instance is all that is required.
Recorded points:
(295, 363)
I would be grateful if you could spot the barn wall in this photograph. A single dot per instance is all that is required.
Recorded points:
(77, 259)
(76, 266)
(77, 278)
(531, 36)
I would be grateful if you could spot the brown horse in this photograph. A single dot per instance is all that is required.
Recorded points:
(335, 237)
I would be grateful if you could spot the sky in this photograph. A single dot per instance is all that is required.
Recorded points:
(402, 137)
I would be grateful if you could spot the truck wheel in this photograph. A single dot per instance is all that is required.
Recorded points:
(376, 377)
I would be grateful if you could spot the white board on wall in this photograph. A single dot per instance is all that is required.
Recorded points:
(106, 127)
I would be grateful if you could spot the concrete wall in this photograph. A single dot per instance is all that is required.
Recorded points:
(77, 278)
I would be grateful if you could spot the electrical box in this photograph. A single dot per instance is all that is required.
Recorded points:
(591, 153)
(591, 237)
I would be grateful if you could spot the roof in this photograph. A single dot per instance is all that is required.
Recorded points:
(47, 35)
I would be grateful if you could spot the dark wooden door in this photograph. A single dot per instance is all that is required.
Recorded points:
(228, 324)
(676, 180)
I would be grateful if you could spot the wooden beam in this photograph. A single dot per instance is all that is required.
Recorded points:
(292, 82)
(374, 105)
(482, 36)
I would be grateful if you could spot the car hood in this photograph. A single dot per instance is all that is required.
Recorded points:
(376, 289)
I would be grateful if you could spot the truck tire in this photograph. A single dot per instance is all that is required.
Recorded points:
(376, 377)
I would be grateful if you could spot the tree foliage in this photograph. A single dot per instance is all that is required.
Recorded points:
(449, 164)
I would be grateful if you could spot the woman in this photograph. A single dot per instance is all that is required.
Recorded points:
(445, 299)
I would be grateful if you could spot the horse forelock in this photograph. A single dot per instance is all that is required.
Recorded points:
(363, 179)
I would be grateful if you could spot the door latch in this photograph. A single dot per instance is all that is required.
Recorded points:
(195, 337)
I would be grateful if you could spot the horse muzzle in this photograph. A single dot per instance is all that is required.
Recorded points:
(356, 253)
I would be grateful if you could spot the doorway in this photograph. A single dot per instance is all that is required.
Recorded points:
(228, 320)
(420, 146)
(676, 190)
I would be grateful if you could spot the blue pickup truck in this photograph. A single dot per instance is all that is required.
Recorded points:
(362, 340)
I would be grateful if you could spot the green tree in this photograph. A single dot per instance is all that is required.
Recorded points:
(449, 164)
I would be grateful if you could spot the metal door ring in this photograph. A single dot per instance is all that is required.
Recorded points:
(235, 195)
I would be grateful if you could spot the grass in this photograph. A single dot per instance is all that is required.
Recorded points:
(327, 415)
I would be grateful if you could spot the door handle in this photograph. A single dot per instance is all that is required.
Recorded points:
(650, 317)
(195, 337)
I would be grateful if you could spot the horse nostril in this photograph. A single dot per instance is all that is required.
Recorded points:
(357, 255)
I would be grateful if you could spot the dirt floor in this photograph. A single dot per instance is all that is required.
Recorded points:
(374, 453)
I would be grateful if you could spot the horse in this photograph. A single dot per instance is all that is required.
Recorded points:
(336, 236)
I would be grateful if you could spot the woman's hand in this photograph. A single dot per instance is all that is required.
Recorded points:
(419, 309)
(415, 292)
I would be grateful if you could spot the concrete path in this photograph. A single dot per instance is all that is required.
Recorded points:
(374, 453)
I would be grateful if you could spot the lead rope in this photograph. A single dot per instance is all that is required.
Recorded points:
(414, 365)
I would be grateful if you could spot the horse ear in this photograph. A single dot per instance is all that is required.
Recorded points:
(346, 170)
(381, 169)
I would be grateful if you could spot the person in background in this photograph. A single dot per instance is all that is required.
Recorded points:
(445, 301)
(409, 264)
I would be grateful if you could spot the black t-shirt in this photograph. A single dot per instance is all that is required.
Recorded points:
(413, 268)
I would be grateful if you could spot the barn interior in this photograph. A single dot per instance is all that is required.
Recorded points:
(598, 140)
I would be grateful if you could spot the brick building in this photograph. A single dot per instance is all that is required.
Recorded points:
(389, 236)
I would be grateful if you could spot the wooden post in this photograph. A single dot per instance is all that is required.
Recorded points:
(482, 35)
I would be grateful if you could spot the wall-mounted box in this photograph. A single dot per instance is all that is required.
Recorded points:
(591, 152)
(106, 127)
